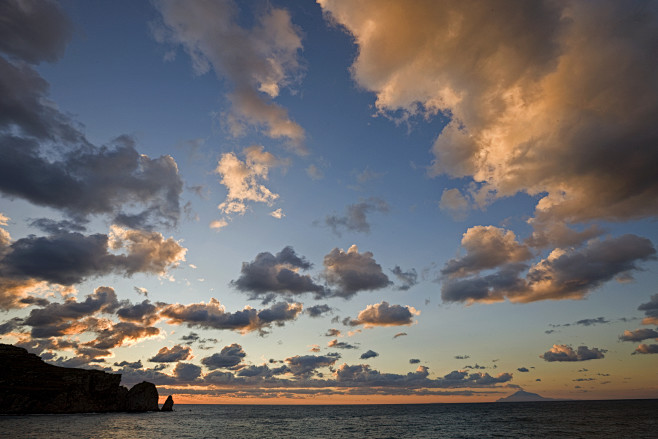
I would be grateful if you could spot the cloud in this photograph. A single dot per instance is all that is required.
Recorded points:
(340, 344)
(369, 354)
(213, 315)
(40, 30)
(93, 181)
(566, 353)
(56, 319)
(257, 62)
(583, 322)
(352, 272)
(408, 278)
(523, 369)
(414, 361)
(314, 173)
(383, 314)
(486, 247)
(647, 349)
(400, 334)
(134, 365)
(229, 357)
(176, 353)
(278, 214)
(144, 312)
(355, 218)
(69, 258)
(650, 311)
(453, 202)
(564, 274)
(306, 365)
(333, 333)
(244, 180)
(277, 274)
(318, 310)
(187, 371)
(639, 335)
(462, 357)
(530, 110)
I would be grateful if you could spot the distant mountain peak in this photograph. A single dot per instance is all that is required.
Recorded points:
(523, 396)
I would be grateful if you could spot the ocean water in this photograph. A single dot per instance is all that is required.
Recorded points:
(569, 419)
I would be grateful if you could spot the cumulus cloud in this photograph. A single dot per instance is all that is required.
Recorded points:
(340, 344)
(523, 369)
(530, 109)
(369, 354)
(486, 247)
(244, 179)
(306, 365)
(408, 278)
(560, 352)
(176, 353)
(564, 274)
(318, 310)
(414, 361)
(277, 274)
(351, 272)
(455, 203)
(647, 349)
(144, 312)
(213, 315)
(639, 335)
(650, 310)
(229, 357)
(333, 332)
(257, 62)
(383, 314)
(355, 218)
(68, 258)
(187, 371)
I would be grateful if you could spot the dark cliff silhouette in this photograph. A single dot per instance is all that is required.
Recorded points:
(28, 385)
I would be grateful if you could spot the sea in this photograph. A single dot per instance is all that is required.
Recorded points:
(555, 419)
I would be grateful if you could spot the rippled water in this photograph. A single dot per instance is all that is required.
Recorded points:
(574, 419)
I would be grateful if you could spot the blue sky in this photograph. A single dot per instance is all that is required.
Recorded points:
(260, 193)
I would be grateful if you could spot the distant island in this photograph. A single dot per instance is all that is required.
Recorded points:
(523, 396)
(29, 385)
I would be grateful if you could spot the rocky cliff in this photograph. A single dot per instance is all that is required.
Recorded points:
(28, 385)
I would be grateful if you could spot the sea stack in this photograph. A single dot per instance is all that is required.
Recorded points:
(28, 385)
(168, 405)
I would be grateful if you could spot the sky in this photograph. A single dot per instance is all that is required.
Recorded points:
(336, 202)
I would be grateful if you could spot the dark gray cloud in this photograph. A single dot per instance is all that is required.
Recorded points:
(134, 365)
(350, 272)
(566, 353)
(90, 181)
(408, 278)
(214, 315)
(383, 314)
(229, 357)
(414, 361)
(46, 158)
(176, 353)
(400, 334)
(565, 274)
(55, 319)
(116, 334)
(187, 371)
(69, 258)
(318, 310)
(523, 369)
(355, 218)
(582, 322)
(144, 312)
(52, 227)
(639, 335)
(306, 365)
(650, 311)
(462, 357)
(33, 30)
(277, 274)
(647, 349)
(333, 332)
(369, 354)
(341, 344)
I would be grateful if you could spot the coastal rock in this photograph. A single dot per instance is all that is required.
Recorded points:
(28, 385)
(143, 397)
(168, 405)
